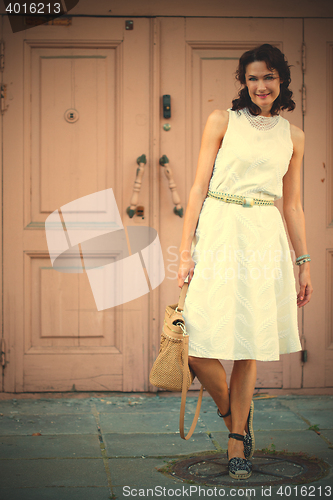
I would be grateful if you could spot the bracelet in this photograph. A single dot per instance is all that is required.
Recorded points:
(302, 256)
(300, 262)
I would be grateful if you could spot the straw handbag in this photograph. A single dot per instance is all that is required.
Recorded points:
(170, 370)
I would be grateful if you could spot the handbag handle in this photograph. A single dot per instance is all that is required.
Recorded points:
(184, 385)
(182, 295)
(183, 400)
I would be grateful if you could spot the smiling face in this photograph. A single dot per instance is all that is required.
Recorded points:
(263, 85)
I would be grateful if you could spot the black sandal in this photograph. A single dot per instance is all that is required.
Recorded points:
(249, 441)
(223, 416)
(239, 468)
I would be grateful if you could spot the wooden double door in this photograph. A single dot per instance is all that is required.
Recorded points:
(112, 75)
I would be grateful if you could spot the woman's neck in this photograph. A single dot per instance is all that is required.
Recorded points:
(265, 112)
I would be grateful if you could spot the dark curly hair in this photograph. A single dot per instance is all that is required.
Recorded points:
(274, 59)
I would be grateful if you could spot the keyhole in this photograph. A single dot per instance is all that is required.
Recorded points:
(71, 115)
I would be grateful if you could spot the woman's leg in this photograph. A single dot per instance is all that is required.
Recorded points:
(242, 384)
(212, 375)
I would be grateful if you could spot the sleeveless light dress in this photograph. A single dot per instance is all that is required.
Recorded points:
(242, 302)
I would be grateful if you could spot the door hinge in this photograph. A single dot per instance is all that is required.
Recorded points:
(303, 99)
(303, 57)
(3, 91)
(2, 55)
(3, 353)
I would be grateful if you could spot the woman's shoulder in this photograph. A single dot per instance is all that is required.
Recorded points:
(297, 135)
(219, 119)
(219, 115)
(296, 132)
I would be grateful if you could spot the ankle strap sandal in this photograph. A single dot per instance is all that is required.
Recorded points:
(249, 442)
(234, 435)
(223, 416)
(239, 468)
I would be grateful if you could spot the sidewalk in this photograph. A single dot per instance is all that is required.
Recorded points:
(88, 446)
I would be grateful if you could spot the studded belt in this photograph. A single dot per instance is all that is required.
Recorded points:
(240, 200)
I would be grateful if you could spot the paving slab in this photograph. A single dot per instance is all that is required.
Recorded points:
(136, 445)
(263, 420)
(161, 406)
(270, 404)
(54, 493)
(328, 434)
(294, 441)
(138, 422)
(138, 405)
(59, 446)
(140, 472)
(51, 406)
(36, 473)
(25, 424)
(275, 420)
(212, 422)
(308, 402)
(322, 418)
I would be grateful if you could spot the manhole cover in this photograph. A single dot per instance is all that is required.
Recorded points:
(267, 469)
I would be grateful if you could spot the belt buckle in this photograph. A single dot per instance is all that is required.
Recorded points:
(248, 202)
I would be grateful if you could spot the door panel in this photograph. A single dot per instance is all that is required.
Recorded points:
(318, 199)
(63, 152)
(57, 338)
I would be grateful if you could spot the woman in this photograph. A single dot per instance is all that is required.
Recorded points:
(241, 302)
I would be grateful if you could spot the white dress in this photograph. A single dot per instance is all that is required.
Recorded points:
(242, 302)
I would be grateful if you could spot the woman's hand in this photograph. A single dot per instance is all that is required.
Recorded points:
(186, 267)
(304, 294)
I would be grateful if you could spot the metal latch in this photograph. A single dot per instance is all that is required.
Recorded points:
(3, 352)
(3, 92)
(167, 106)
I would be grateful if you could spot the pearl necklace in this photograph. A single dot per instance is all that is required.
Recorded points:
(261, 122)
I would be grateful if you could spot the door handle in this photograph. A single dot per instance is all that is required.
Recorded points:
(177, 209)
(133, 208)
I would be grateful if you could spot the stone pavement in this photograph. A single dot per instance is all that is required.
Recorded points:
(74, 446)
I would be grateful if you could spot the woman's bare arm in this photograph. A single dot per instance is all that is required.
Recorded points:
(212, 136)
(294, 215)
